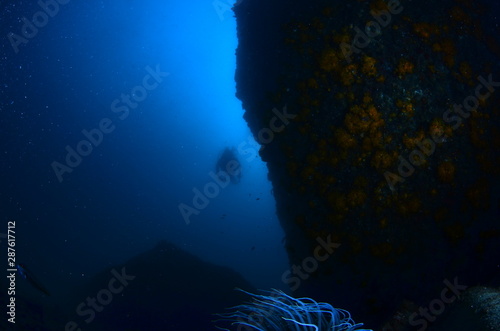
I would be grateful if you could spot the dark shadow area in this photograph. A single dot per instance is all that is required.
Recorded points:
(162, 289)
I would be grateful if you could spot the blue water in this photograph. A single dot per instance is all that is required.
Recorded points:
(123, 195)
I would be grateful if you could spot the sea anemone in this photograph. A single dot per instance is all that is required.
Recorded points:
(279, 312)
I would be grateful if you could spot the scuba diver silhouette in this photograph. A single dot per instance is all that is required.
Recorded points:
(229, 165)
(30, 277)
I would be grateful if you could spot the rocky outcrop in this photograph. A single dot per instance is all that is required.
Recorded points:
(165, 288)
(377, 142)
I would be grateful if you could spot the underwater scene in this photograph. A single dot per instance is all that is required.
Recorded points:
(250, 165)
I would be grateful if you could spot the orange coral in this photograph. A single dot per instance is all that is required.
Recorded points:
(404, 67)
(438, 131)
(349, 74)
(418, 158)
(383, 223)
(382, 160)
(356, 197)
(344, 139)
(447, 47)
(409, 204)
(446, 172)
(330, 60)
(343, 37)
(425, 30)
(411, 142)
(376, 139)
(406, 108)
(369, 68)
(378, 5)
(362, 119)
(367, 99)
(457, 14)
(478, 195)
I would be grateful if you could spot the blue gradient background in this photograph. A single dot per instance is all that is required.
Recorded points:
(123, 197)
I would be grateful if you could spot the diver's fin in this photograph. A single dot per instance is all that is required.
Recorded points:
(30, 277)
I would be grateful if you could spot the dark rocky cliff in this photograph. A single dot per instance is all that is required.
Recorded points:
(379, 124)
(164, 288)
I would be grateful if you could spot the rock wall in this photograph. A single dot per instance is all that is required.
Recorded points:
(379, 124)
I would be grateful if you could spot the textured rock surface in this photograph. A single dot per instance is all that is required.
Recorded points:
(373, 154)
(479, 310)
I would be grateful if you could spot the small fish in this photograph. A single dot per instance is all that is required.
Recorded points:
(30, 277)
